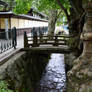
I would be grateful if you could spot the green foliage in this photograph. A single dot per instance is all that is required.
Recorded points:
(73, 43)
(46, 5)
(22, 7)
(62, 19)
(3, 87)
(1, 7)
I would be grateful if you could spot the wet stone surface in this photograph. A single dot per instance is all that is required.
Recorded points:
(54, 79)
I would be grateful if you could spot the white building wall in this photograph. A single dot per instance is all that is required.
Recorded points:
(23, 23)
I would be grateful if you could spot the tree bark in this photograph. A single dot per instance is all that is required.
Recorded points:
(52, 22)
(79, 77)
(77, 6)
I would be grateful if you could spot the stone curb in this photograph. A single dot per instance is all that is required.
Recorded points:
(8, 55)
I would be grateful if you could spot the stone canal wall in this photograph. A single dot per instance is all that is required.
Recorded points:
(69, 59)
(23, 71)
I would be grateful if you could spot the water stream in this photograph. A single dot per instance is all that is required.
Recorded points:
(54, 78)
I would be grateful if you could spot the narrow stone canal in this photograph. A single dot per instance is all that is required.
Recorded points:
(35, 72)
(54, 78)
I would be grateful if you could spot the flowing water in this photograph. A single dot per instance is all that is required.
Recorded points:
(54, 78)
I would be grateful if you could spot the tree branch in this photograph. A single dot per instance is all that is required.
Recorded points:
(77, 6)
(59, 14)
(73, 5)
(63, 8)
(4, 4)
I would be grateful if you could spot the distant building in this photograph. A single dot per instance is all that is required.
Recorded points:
(34, 13)
(61, 30)
(21, 22)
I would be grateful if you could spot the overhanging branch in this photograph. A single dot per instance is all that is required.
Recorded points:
(63, 8)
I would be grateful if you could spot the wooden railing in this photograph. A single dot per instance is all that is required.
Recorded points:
(35, 41)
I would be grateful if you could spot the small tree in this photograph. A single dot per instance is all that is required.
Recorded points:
(75, 16)
(52, 9)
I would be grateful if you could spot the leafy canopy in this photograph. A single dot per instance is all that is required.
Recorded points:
(46, 5)
(22, 6)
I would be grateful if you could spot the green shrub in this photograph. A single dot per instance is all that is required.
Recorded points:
(4, 87)
(72, 43)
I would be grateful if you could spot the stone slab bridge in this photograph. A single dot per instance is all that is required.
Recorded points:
(43, 43)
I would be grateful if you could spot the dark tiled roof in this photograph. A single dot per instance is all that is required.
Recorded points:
(22, 16)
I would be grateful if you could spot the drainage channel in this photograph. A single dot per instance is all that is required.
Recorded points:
(54, 78)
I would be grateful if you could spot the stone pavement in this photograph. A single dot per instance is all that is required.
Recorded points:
(12, 51)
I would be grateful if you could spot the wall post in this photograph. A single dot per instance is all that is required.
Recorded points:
(25, 40)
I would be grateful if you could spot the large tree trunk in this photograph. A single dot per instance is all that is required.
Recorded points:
(74, 20)
(75, 25)
(52, 22)
(80, 76)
